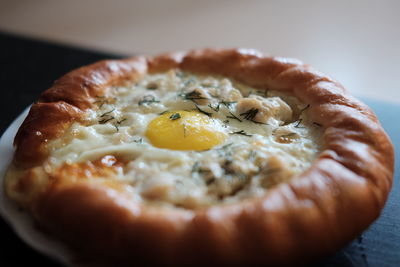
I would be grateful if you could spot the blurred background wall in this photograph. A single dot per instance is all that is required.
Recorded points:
(355, 42)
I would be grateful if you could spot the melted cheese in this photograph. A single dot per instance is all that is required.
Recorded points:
(267, 139)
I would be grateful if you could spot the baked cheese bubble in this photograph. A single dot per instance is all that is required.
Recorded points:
(185, 130)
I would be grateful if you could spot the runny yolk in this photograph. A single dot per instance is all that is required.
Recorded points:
(185, 130)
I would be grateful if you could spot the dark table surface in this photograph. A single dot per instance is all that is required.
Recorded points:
(27, 67)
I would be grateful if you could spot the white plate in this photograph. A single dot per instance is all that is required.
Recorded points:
(20, 221)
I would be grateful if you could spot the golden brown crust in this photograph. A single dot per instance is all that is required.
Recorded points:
(331, 203)
(44, 122)
(66, 101)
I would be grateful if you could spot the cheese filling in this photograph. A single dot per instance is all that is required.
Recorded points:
(193, 140)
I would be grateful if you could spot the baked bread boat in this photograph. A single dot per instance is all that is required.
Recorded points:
(210, 156)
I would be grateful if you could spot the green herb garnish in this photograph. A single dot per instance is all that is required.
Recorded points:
(241, 132)
(216, 108)
(148, 99)
(303, 109)
(102, 100)
(193, 95)
(204, 112)
(228, 104)
(175, 116)
(121, 121)
(118, 123)
(298, 123)
(233, 117)
(197, 168)
(139, 141)
(105, 120)
(250, 114)
(107, 113)
(162, 113)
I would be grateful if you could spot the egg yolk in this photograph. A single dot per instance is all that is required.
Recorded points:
(184, 130)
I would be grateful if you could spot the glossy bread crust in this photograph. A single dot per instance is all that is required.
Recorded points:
(307, 218)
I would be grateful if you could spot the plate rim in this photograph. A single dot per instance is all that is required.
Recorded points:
(20, 221)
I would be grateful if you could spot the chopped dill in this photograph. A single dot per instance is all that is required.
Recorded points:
(106, 117)
(162, 113)
(102, 100)
(298, 123)
(193, 95)
(259, 122)
(198, 169)
(100, 103)
(226, 146)
(175, 116)
(241, 132)
(148, 99)
(138, 141)
(118, 123)
(228, 104)
(233, 117)
(216, 108)
(105, 120)
(303, 109)
(107, 113)
(250, 114)
(121, 121)
(204, 112)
